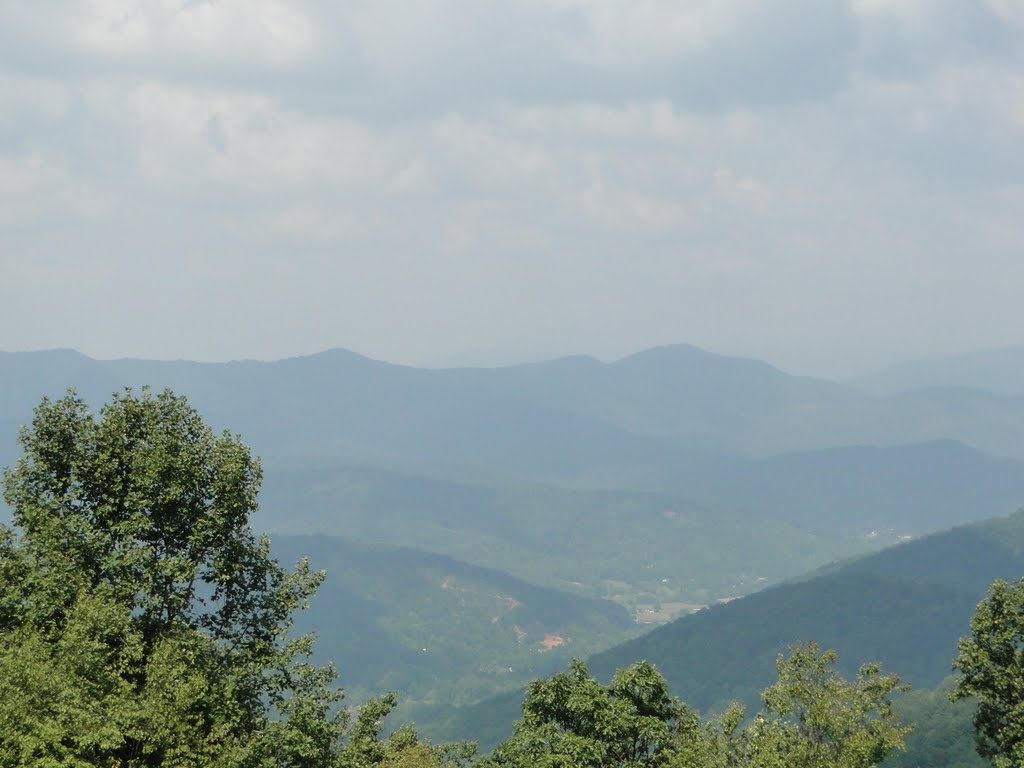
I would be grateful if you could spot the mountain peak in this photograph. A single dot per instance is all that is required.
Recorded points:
(688, 359)
(57, 353)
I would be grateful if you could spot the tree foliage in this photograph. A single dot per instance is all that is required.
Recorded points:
(141, 621)
(811, 718)
(991, 663)
(826, 721)
(573, 720)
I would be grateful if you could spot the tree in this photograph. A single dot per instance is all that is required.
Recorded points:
(141, 621)
(991, 665)
(811, 718)
(573, 721)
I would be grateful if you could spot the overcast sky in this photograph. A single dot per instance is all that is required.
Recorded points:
(827, 185)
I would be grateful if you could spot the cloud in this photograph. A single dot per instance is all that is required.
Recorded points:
(388, 60)
(178, 35)
(391, 58)
(906, 39)
(557, 175)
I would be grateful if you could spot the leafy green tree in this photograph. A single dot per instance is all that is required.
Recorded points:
(404, 749)
(816, 719)
(573, 721)
(811, 718)
(141, 621)
(991, 664)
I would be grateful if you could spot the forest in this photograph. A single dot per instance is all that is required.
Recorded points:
(144, 623)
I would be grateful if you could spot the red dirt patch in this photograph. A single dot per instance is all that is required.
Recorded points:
(552, 641)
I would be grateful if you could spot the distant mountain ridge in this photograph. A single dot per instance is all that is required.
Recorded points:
(576, 415)
(996, 370)
(677, 421)
(914, 489)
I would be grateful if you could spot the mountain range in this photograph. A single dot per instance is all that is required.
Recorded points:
(565, 420)
(613, 495)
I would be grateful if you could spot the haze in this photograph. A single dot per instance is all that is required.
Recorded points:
(831, 186)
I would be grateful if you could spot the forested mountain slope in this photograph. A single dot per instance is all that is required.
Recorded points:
(436, 629)
(909, 489)
(943, 735)
(635, 547)
(905, 607)
(341, 405)
(679, 393)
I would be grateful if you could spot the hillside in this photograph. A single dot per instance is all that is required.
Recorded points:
(905, 606)
(943, 735)
(341, 405)
(907, 489)
(637, 548)
(748, 523)
(681, 394)
(436, 629)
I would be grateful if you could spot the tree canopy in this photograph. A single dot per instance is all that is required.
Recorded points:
(991, 663)
(142, 623)
(811, 718)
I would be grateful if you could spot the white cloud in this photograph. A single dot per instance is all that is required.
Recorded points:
(253, 30)
(567, 174)
(646, 33)
(34, 192)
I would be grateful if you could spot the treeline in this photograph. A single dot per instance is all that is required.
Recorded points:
(810, 717)
(142, 623)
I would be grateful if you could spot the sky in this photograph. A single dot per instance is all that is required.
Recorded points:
(831, 185)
